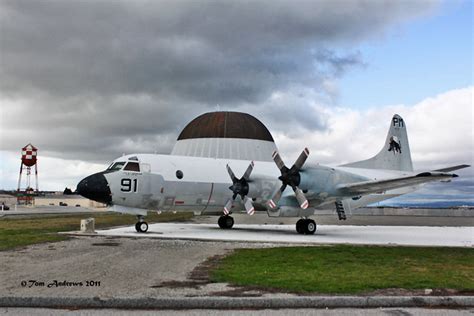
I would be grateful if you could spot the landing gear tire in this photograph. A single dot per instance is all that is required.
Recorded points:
(300, 226)
(226, 222)
(306, 226)
(141, 227)
(309, 227)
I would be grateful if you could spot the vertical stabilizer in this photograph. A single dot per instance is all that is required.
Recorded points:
(395, 154)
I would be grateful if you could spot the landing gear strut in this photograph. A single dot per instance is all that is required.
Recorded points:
(306, 226)
(141, 226)
(226, 222)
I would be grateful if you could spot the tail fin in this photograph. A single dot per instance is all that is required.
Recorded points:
(395, 154)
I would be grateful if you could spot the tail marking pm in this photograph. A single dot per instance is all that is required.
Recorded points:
(398, 122)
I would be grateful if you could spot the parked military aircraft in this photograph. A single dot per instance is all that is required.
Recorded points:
(139, 183)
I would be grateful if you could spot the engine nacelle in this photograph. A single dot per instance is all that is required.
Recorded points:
(261, 188)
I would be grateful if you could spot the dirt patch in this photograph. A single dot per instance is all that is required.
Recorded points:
(199, 276)
(201, 273)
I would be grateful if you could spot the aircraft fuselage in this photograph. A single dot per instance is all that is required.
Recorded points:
(181, 183)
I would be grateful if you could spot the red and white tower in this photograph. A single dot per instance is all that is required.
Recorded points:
(29, 155)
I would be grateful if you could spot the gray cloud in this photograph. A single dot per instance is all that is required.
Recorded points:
(92, 79)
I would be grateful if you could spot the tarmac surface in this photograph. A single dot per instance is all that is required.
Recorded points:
(325, 234)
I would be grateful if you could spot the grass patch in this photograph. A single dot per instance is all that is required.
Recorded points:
(17, 232)
(349, 269)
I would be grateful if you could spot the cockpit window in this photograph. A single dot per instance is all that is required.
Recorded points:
(116, 166)
(132, 166)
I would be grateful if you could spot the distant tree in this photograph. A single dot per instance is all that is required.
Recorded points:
(67, 191)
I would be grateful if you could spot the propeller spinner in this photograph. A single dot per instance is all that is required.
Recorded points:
(240, 187)
(290, 177)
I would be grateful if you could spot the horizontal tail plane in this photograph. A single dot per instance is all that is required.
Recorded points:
(377, 186)
(449, 169)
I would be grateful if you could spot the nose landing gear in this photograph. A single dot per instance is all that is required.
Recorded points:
(226, 222)
(306, 226)
(141, 226)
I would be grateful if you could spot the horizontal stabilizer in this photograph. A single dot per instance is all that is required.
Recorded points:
(449, 169)
(378, 186)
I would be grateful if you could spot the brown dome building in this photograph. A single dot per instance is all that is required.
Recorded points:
(231, 135)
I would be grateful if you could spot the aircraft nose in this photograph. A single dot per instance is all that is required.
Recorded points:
(95, 187)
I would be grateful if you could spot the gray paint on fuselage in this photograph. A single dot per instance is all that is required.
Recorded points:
(204, 187)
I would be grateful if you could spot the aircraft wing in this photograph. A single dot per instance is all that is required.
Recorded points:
(377, 186)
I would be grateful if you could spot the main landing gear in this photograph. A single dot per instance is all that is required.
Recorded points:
(226, 222)
(306, 226)
(141, 226)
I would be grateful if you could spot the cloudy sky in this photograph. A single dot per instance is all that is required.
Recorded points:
(86, 81)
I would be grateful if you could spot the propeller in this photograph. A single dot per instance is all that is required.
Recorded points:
(290, 177)
(240, 187)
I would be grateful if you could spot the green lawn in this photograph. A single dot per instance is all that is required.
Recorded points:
(17, 232)
(349, 269)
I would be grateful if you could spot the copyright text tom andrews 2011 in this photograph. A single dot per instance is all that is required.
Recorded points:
(57, 283)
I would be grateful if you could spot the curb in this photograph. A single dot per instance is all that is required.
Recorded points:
(241, 303)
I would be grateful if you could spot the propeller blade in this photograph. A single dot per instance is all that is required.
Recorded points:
(248, 171)
(231, 174)
(301, 159)
(277, 159)
(290, 177)
(249, 206)
(302, 201)
(274, 200)
(240, 187)
(228, 207)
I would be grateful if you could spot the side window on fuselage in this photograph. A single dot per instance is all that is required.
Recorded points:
(132, 166)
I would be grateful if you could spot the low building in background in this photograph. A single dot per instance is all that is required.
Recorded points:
(7, 199)
(66, 200)
(51, 199)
